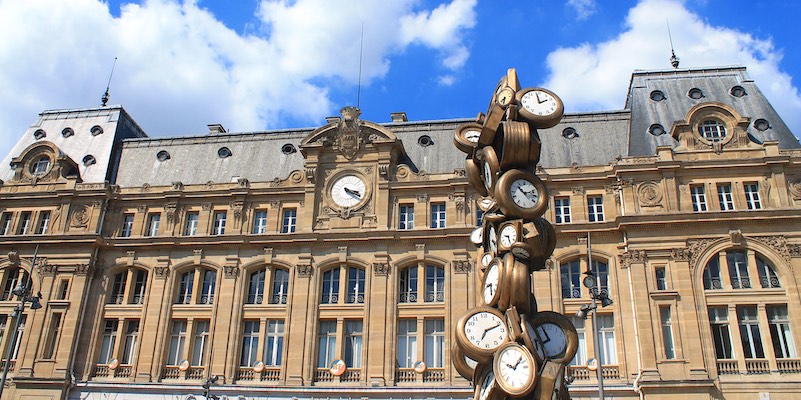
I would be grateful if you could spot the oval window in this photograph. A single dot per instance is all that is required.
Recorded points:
(288, 149)
(39, 134)
(737, 91)
(224, 152)
(656, 130)
(425, 141)
(67, 132)
(695, 93)
(40, 166)
(162, 156)
(657, 95)
(761, 124)
(569, 133)
(712, 130)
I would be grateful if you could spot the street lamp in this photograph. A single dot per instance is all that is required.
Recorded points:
(598, 296)
(23, 292)
(207, 387)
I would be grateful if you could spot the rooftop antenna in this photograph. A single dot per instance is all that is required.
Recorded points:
(104, 99)
(674, 61)
(359, 84)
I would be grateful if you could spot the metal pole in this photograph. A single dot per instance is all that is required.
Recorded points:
(17, 315)
(596, 336)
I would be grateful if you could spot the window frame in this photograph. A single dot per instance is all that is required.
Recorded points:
(438, 215)
(561, 205)
(595, 208)
(698, 198)
(289, 217)
(406, 216)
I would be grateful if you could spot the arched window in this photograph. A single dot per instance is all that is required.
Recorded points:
(435, 284)
(13, 277)
(407, 291)
(409, 284)
(135, 281)
(355, 285)
(737, 262)
(767, 276)
(257, 285)
(330, 293)
(353, 291)
(196, 286)
(571, 276)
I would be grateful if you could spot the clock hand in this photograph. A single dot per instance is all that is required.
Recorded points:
(352, 192)
(519, 360)
(489, 329)
(540, 101)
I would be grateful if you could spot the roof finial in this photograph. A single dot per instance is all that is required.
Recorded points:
(674, 61)
(104, 99)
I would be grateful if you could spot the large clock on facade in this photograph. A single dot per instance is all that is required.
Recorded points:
(348, 190)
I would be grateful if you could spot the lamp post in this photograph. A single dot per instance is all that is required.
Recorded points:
(590, 281)
(23, 292)
(207, 387)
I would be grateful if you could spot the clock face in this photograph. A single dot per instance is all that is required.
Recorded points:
(477, 237)
(549, 340)
(486, 259)
(539, 102)
(348, 191)
(508, 235)
(515, 368)
(487, 176)
(472, 135)
(486, 386)
(524, 194)
(485, 330)
(491, 280)
(505, 96)
(493, 240)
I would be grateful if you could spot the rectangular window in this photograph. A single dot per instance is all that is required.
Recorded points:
(780, 334)
(289, 221)
(438, 215)
(661, 278)
(153, 221)
(177, 340)
(602, 271)
(752, 196)
(260, 222)
(17, 339)
(570, 276)
(595, 208)
(719, 325)
(108, 341)
(326, 343)
(280, 286)
(407, 343)
(43, 224)
(479, 217)
(127, 225)
(725, 197)
(5, 224)
(435, 343)
(581, 351)
(562, 208)
(435, 284)
(118, 288)
(219, 223)
(53, 335)
(330, 293)
(24, 223)
(185, 284)
(698, 197)
(355, 285)
(62, 292)
(353, 344)
(200, 343)
(749, 332)
(667, 331)
(408, 285)
(191, 224)
(131, 339)
(13, 277)
(606, 325)
(406, 216)
(250, 344)
(274, 346)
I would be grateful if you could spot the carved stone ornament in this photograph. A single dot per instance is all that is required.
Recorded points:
(736, 237)
(383, 171)
(462, 266)
(381, 268)
(633, 256)
(205, 206)
(795, 188)
(243, 183)
(695, 247)
(145, 187)
(177, 185)
(458, 198)
(576, 168)
(44, 268)
(778, 243)
(310, 174)
(681, 254)
(370, 221)
(348, 139)
(169, 209)
(578, 190)
(161, 272)
(649, 194)
(237, 207)
(231, 271)
(80, 216)
(304, 270)
(794, 250)
(422, 198)
(82, 269)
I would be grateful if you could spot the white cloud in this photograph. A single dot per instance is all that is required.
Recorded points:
(583, 8)
(595, 76)
(180, 68)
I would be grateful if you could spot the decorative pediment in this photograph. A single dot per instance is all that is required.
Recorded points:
(347, 135)
(713, 126)
(43, 161)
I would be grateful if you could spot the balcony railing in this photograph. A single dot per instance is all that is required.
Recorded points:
(323, 375)
(740, 283)
(405, 375)
(174, 372)
(351, 375)
(789, 365)
(267, 375)
(434, 375)
(582, 373)
(728, 367)
(757, 366)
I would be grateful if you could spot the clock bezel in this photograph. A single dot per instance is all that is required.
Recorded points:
(481, 355)
(460, 364)
(368, 190)
(541, 121)
(520, 288)
(490, 162)
(461, 142)
(505, 199)
(561, 321)
(530, 383)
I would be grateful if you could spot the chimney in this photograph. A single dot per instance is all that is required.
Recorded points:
(398, 117)
(215, 129)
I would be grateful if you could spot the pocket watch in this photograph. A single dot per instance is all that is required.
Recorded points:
(521, 251)
(480, 331)
(508, 234)
(541, 107)
(491, 123)
(486, 386)
(464, 365)
(487, 204)
(515, 144)
(520, 288)
(474, 174)
(495, 285)
(515, 370)
(466, 137)
(490, 168)
(550, 336)
(513, 322)
(477, 237)
(491, 238)
(485, 260)
(521, 194)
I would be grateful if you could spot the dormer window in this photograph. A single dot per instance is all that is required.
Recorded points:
(96, 130)
(712, 130)
(40, 166)
(39, 134)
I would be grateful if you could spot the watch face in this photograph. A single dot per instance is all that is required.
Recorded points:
(487, 175)
(505, 96)
(549, 340)
(538, 102)
(477, 237)
(508, 235)
(514, 368)
(491, 280)
(493, 240)
(485, 330)
(486, 259)
(472, 135)
(589, 281)
(348, 191)
(524, 193)
(486, 385)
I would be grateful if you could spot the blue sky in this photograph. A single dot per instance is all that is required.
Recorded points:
(266, 64)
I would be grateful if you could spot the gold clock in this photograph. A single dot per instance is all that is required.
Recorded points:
(474, 176)
(480, 331)
(521, 194)
(464, 365)
(515, 144)
(550, 336)
(491, 166)
(466, 137)
(515, 370)
(495, 284)
(508, 234)
(514, 324)
(541, 107)
(486, 387)
(520, 288)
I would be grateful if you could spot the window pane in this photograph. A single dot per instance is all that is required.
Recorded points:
(280, 286)
(131, 339)
(250, 343)
(719, 325)
(571, 280)
(606, 325)
(353, 344)
(256, 287)
(408, 285)
(200, 342)
(209, 283)
(780, 334)
(749, 332)
(274, 347)
(435, 343)
(407, 343)
(435, 283)
(355, 285)
(667, 331)
(330, 293)
(738, 269)
(177, 339)
(326, 342)
(581, 352)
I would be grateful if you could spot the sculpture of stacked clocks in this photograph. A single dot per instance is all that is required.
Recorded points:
(505, 346)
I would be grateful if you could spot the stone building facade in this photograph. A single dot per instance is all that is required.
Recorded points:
(163, 262)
